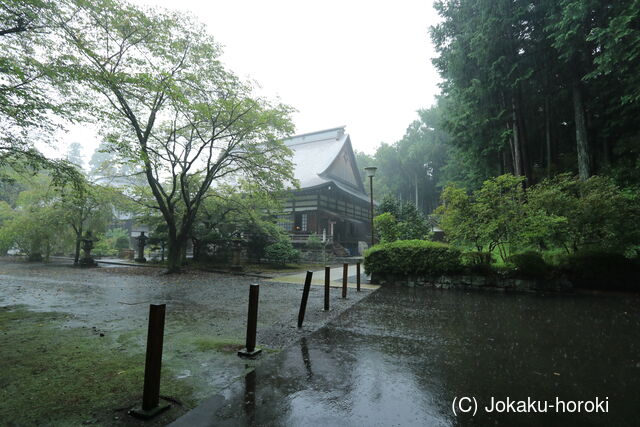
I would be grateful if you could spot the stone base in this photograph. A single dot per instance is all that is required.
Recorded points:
(249, 354)
(145, 415)
(143, 259)
(236, 268)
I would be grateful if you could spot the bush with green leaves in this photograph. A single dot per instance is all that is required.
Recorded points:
(412, 258)
(561, 212)
(597, 215)
(386, 227)
(400, 221)
(602, 270)
(529, 264)
(281, 253)
(314, 242)
(111, 242)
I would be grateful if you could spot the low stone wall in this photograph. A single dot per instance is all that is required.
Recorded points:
(477, 282)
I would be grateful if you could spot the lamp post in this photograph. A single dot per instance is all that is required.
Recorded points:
(371, 171)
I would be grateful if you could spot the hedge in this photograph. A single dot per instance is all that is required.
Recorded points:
(602, 270)
(412, 258)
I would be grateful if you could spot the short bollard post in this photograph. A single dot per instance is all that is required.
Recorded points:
(345, 274)
(327, 279)
(151, 392)
(305, 297)
(358, 277)
(252, 324)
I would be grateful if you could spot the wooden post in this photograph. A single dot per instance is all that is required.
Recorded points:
(345, 275)
(252, 323)
(358, 277)
(327, 279)
(305, 297)
(153, 364)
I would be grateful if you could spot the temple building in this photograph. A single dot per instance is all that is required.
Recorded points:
(331, 202)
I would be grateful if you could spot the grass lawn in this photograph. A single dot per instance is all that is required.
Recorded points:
(56, 375)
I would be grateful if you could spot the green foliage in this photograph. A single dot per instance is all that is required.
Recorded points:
(602, 270)
(412, 258)
(529, 264)
(522, 80)
(400, 221)
(595, 213)
(386, 227)
(111, 242)
(36, 226)
(562, 212)
(493, 217)
(477, 258)
(314, 242)
(173, 111)
(281, 253)
(228, 212)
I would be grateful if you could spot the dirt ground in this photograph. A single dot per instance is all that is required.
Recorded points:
(72, 341)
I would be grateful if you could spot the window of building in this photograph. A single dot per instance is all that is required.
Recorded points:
(284, 221)
(302, 222)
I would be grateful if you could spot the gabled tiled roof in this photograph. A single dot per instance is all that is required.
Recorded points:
(313, 155)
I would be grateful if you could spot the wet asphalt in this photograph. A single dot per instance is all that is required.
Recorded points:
(403, 356)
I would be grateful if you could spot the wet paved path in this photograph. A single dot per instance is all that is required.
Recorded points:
(335, 277)
(402, 355)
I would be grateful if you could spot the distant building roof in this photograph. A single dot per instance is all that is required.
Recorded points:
(326, 156)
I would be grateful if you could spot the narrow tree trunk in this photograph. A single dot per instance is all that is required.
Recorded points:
(582, 142)
(76, 257)
(547, 133)
(525, 158)
(517, 151)
(415, 178)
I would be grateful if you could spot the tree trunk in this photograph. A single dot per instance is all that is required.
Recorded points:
(174, 256)
(517, 150)
(547, 133)
(415, 177)
(76, 257)
(582, 141)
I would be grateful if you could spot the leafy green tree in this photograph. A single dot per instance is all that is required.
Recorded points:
(89, 207)
(36, 227)
(33, 85)
(400, 221)
(596, 213)
(174, 109)
(459, 218)
(245, 210)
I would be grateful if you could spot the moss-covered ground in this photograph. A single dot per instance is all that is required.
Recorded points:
(56, 375)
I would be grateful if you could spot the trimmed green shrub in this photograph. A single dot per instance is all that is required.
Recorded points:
(412, 258)
(603, 270)
(281, 252)
(529, 264)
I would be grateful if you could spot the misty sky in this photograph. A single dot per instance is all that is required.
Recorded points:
(363, 64)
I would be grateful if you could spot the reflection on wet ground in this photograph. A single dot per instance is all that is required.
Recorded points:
(401, 356)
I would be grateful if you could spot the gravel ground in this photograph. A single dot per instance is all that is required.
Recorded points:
(205, 320)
